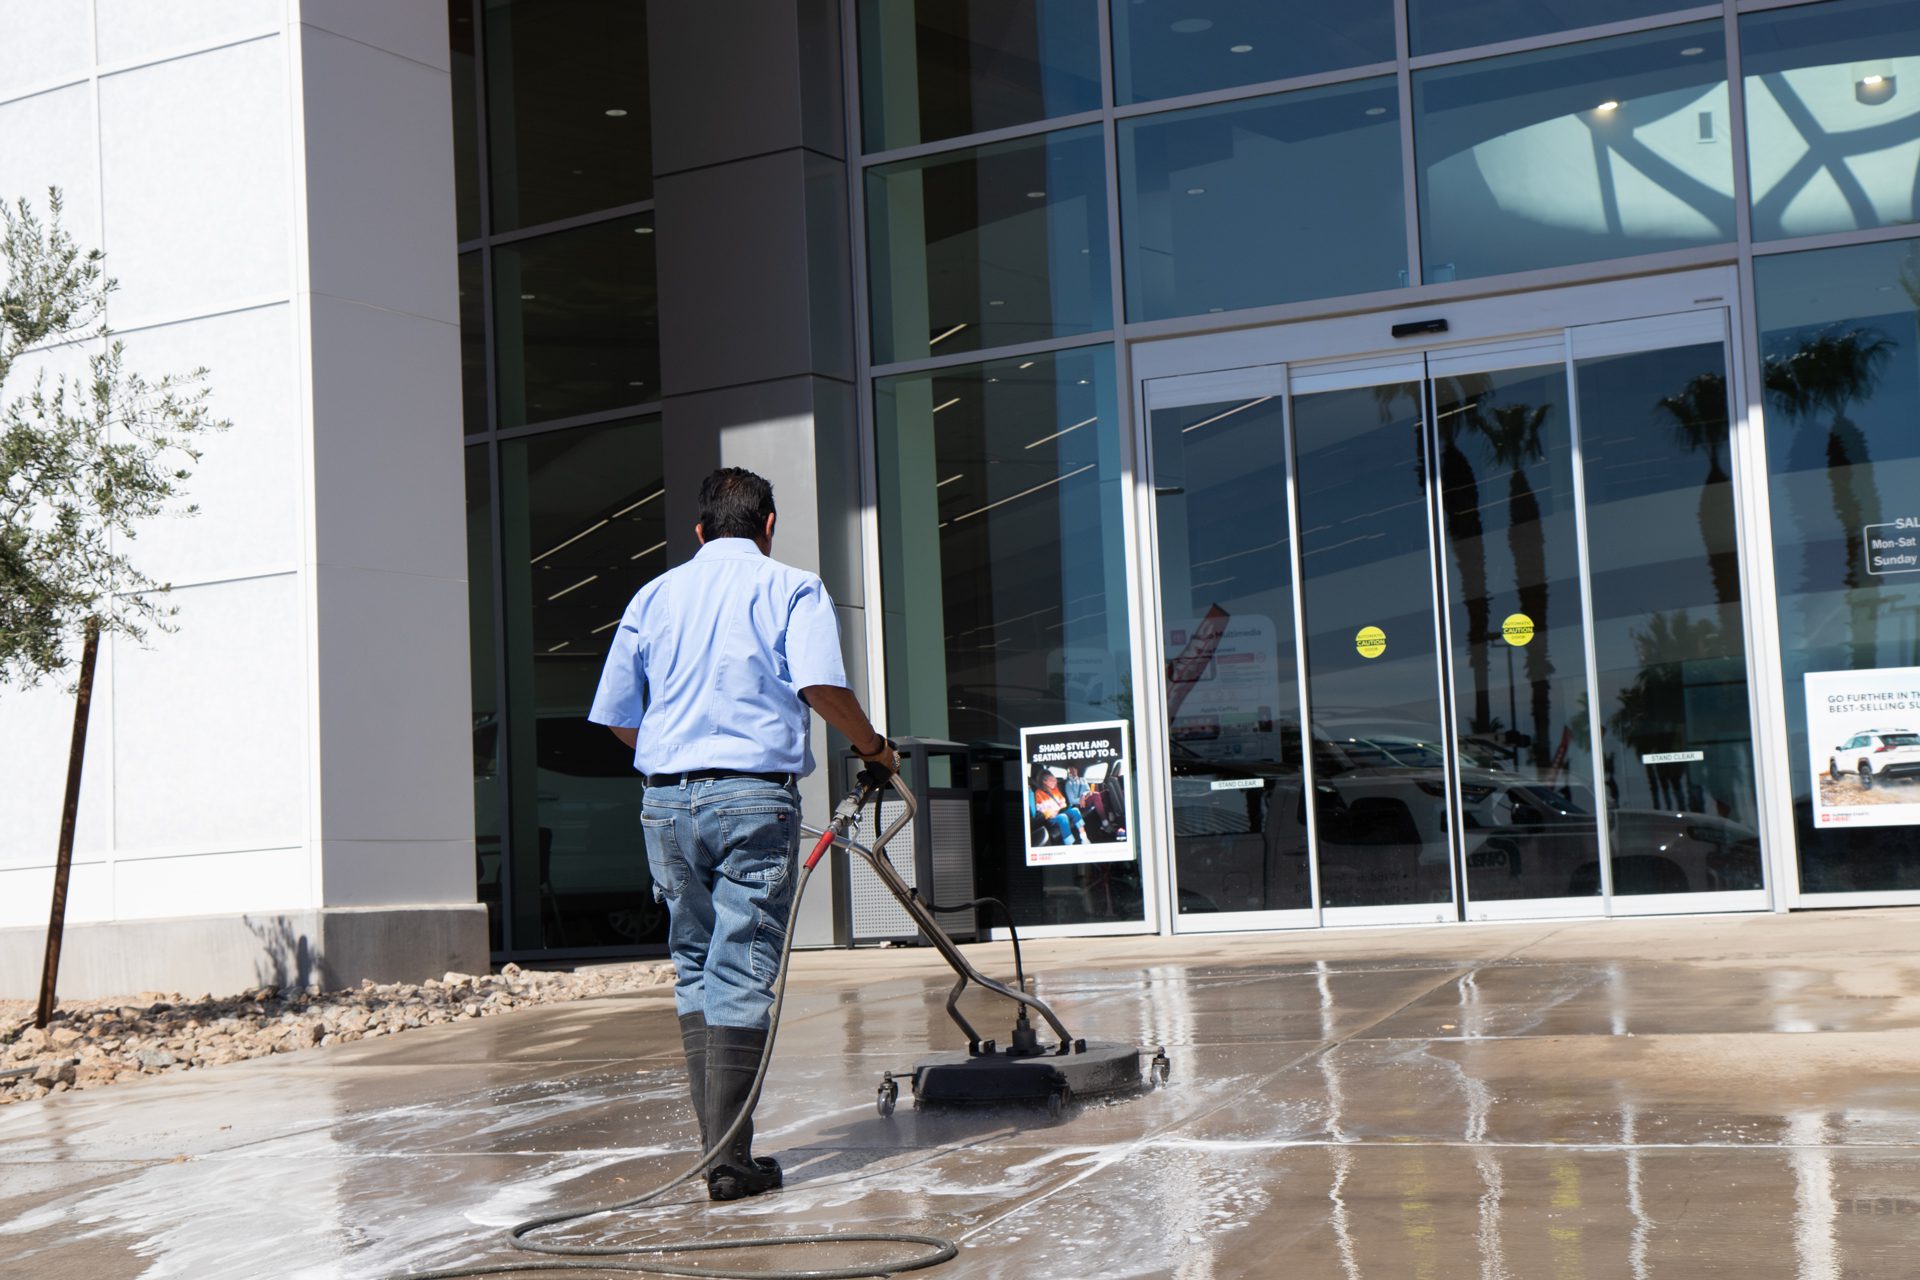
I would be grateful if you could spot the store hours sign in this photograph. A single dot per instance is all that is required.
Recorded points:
(1893, 547)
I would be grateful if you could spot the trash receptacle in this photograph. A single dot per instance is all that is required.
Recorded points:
(934, 853)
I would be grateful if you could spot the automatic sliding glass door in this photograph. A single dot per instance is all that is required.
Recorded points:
(1375, 691)
(1443, 626)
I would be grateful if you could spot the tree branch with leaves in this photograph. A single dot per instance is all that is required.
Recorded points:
(85, 460)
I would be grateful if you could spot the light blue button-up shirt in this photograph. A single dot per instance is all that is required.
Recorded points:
(709, 660)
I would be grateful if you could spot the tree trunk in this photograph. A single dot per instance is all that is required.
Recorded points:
(69, 816)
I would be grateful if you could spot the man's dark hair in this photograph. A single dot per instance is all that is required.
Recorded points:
(734, 503)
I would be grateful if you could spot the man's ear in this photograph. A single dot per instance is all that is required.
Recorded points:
(768, 531)
(699, 534)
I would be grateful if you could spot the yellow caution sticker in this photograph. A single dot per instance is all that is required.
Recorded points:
(1517, 629)
(1371, 642)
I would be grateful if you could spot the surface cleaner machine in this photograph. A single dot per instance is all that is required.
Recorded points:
(1024, 1070)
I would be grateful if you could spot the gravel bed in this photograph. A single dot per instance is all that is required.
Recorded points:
(90, 1043)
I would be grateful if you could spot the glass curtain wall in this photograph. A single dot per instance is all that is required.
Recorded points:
(560, 370)
(1295, 157)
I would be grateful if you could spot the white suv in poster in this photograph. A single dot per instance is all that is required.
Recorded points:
(1863, 728)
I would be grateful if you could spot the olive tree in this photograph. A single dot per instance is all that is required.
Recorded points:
(85, 459)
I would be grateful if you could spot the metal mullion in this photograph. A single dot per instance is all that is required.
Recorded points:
(1581, 35)
(866, 432)
(1761, 6)
(963, 359)
(1409, 162)
(1308, 796)
(1836, 239)
(1603, 824)
(598, 416)
(1779, 868)
(598, 216)
(1544, 278)
(1152, 805)
(503, 740)
(1259, 89)
(1442, 636)
(1737, 132)
(1750, 476)
(483, 161)
(1011, 133)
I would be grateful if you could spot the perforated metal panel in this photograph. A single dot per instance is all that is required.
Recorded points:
(876, 916)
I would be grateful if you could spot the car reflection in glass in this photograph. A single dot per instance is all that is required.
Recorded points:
(1380, 818)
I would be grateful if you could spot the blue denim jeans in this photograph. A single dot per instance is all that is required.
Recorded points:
(723, 852)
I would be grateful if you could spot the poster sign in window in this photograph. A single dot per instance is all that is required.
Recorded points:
(1076, 793)
(1863, 729)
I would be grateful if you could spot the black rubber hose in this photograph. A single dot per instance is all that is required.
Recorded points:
(1019, 970)
(520, 1235)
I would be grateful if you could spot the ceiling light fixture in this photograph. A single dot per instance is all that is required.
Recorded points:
(1376, 111)
(1693, 51)
(948, 405)
(1241, 48)
(1029, 364)
(1192, 26)
(658, 546)
(634, 505)
(1609, 105)
(1044, 484)
(1062, 431)
(526, 297)
(1196, 191)
(1241, 408)
(934, 342)
(597, 524)
(996, 302)
(949, 480)
(605, 626)
(1873, 82)
(643, 231)
(592, 577)
(1036, 195)
(558, 647)
(616, 112)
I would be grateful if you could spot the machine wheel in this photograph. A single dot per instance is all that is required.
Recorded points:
(1057, 1102)
(1157, 1071)
(887, 1095)
(1866, 776)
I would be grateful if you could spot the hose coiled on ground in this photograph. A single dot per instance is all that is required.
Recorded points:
(628, 1258)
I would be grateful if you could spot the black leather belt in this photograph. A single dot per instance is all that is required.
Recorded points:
(698, 775)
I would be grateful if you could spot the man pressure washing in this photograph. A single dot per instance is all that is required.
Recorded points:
(710, 679)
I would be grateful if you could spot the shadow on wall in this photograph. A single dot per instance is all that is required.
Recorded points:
(288, 959)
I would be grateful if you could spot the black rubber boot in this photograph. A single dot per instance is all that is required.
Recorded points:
(693, 1039)
(733, 1059)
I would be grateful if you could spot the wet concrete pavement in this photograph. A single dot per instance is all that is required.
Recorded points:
(1735, 1096)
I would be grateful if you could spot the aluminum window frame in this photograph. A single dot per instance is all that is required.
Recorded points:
(1135, 364)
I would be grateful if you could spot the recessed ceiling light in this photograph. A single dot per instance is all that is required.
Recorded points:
(948, 405)
(1693, 51)
(643, 231)
(1028, 365)
(1083, 382)
(996, 302)
(1873, 82)
(1608, 105)
(526, 297)
(1376, 111)
(1036, 195)
(616, 112)
(636, 384)
(1241, 48)
(1189, 26)
(1196, 191)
